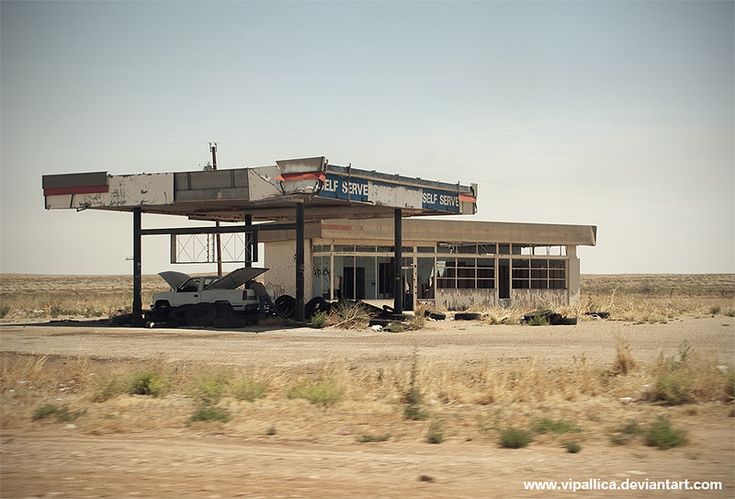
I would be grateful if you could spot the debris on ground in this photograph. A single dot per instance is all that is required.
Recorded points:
(547, 317)
(598, 315)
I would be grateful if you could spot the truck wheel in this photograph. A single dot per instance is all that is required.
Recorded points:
(178, 314)
(202, 314)
(161, 310)
(224, 310)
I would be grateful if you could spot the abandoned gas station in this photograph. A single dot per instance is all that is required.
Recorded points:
(338, 232)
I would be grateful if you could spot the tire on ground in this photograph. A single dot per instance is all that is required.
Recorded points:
(286, 306)
(316, 304)
(202, 314)
(467, 316)
(437, 316)
(224, 310)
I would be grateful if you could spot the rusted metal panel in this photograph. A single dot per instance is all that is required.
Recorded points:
(212, 194)
(317, 164)
(394, 195)
(124, 191)
(263, 183)
(74, 180)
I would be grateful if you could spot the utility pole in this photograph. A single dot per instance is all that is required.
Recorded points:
(213, 149)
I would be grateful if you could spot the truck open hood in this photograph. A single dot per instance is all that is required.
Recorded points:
(236, 278)
(174, 279)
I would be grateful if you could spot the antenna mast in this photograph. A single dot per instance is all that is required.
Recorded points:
(217, 238)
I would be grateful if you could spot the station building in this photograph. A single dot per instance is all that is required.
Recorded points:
(446, 264)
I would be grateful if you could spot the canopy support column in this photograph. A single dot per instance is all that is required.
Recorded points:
(137, 268)
(299, 313)
(397, 262)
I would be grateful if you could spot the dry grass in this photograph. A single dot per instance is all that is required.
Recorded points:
(657, 298)
(40, 296)
(309, 398)
(636, 298)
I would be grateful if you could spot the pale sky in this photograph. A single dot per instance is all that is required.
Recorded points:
(615, 114)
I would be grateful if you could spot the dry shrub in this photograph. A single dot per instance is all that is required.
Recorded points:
(497, 315)
(23, 370)
(418, 321)
(688, 377)
(348, 315)
(624, 361)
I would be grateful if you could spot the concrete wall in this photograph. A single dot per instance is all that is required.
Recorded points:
(573, 274)
(454, 299)
(461, 230)
(280, 259)
(538, 297)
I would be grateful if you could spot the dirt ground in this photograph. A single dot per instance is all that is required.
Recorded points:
(441, 340)
(63, 460)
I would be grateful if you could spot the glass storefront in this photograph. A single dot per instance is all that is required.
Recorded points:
(366, 272)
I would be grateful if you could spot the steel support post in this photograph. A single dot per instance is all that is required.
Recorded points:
(137, 268)
(299, 314)
(397, 262)
(249, 236)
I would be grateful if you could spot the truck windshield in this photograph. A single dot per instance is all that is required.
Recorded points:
(190, 286)
(210, 280)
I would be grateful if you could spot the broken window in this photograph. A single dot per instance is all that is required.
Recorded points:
(539, 273)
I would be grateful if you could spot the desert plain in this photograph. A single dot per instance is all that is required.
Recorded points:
(451, 408)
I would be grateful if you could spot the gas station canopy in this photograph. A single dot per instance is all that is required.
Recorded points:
(265, 193)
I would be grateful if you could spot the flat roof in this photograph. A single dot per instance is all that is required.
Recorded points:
(265, 193)
(422, 230)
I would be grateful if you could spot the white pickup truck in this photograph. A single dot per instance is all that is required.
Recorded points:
(200, 300)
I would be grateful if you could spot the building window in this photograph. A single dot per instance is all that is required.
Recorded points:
(539, 273)
(486, 249)
(465, 273)
(425, 278)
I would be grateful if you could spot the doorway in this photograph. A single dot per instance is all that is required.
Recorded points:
(354, 285)
(504, 279)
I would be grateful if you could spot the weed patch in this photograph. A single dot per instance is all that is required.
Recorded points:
(247, 389)
(412, 397)
(661, 434)
(319, 320)
(435, 433)
(538, 320)
(395, 327)
(323, 393)
(515, 438)
(572, 447)
(61, 413)
(146, 383)
(623, 434)
(558, 426)
(209, 388)
(364, 439)
(210, 413)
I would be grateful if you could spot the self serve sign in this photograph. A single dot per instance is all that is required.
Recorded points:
(358, 189)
